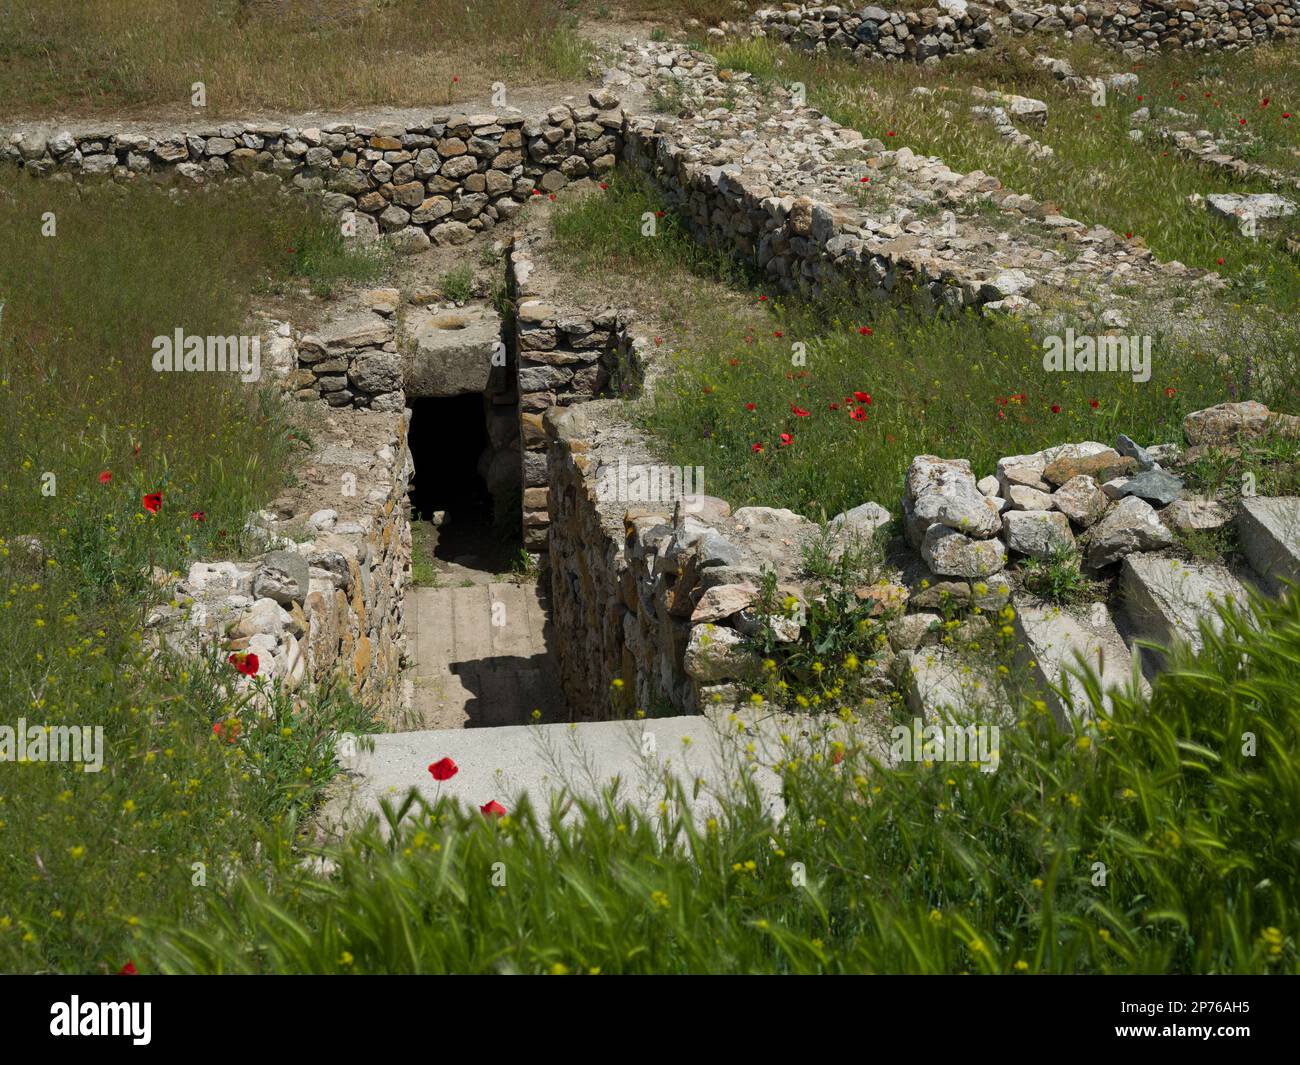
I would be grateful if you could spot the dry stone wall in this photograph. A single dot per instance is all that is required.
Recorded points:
(437, 181)
(564, 354)
(927, 35)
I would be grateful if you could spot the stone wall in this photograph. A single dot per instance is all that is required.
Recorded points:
(439, 180)
(325, 597)
(655, 600)
(1157, 25)
(952, 26)
(918, 36)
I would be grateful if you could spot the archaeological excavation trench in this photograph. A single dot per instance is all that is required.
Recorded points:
(488, 430)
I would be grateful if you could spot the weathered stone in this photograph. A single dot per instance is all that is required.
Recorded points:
(953, 554)
(1081, 500)
(1037, 533)
(1130, 525)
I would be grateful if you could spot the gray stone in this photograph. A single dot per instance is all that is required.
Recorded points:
(1155, 486)
(283, 576)
(1058, 647)
(1037, 533)
(449, 353)
(380, 372)
(1167, 599)
(1131, 525)
(1269, 530)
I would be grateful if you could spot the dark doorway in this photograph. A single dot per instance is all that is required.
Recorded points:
(448, 437)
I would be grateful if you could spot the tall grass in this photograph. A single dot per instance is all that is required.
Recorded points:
(1160, 839)
(89, 430)
(72, 56)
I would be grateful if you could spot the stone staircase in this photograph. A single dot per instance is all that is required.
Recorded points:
(481, 657)
(469, 673)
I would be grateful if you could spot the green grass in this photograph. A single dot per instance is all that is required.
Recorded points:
(1098, 174)
(86, 859)
(66, 55)
(1152, 841)
(959, 386)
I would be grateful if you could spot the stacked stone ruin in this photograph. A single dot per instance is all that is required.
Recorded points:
(663, 600)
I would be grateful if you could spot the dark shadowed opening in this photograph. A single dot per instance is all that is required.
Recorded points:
(448, 436)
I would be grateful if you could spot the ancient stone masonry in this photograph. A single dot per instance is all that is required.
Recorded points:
(928, 35)
(656, 604)
(325, 597)
(815, 205)
(1156, 25)
(564, 354)
(438, 180)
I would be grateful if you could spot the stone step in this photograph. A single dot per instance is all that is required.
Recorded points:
(1165, 600)
(1054, 640)
(1269, 531)
(543, 762)
(941, 684)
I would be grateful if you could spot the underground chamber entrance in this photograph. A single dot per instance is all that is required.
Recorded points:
(461, 523)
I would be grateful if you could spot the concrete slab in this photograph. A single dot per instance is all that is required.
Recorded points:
(548, 761)
(1055, 641)
(1269, 531)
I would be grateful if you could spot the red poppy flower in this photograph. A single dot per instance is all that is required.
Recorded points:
(858, 415)
(152, 502)
(1094, 404)
(245, 663)
(105, 477)
(832, 406)
(128, 970)
(537, 192)
(455, 79)
(1263, 102)
(863, 397)
(603, 185)
(762, 299)
(890, 133)
(443, 769)
(135, 450)
(751, 406)
(1128, 236)
(231, 732)
(777, 333)
(1241, 121)
(864, 180)
(798, 412)
(786, 439)
(1219, 261)
(708, 390)
(733, 362)
(659, 214)
(1170, 393)
(756, 448)
(1056, 408)
(837, 757)
(492, 809)
(1002, 414)
(198, 515)
(864, 330)
(1286, 114)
